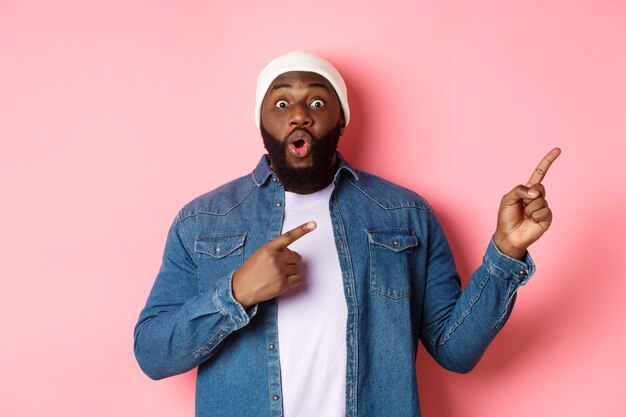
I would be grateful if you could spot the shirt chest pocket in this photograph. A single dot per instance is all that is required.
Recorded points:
(218, 254)
(390, 257)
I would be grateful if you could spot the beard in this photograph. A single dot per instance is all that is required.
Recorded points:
(304, 179)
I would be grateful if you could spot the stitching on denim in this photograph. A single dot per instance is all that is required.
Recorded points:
(379, 289)
(466, 312)
(239, 307)
(408, 233)
(226, 252)
(345, 167)
(183, 239)
(395, 207)
(497, 271)
(512, 291)
(502, 273)
(427, 335)
(198, 281)
(231, 208)
(355, 320)
(184, 342)
(371, 241)
(218, 303)
(204, 348)
(260, 181)
(222, 213)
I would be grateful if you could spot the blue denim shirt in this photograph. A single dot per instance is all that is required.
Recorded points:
(400, 285)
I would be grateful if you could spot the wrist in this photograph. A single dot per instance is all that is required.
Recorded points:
(240, 294)
(508, 248)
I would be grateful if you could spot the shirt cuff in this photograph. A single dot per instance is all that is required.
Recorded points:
(509, 268)
(229, 306)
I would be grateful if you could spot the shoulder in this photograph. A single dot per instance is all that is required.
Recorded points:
(385, 193)
(221, 200)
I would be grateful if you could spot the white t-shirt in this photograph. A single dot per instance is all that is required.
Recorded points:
(312, 316)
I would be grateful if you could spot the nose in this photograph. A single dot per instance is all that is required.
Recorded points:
(300, 116)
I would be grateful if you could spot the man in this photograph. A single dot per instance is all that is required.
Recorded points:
(302, 289)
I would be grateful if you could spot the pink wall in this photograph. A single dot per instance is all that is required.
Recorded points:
(113, 114)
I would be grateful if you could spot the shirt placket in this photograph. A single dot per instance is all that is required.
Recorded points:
(271, 313)
(345, 262)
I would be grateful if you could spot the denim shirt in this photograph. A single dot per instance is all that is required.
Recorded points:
(400, 285)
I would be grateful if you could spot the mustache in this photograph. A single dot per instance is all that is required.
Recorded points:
(300, 129)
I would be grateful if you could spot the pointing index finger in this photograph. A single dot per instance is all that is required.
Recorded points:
(292, 235)
(542, 168)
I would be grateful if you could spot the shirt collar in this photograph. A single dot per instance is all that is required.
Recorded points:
(263, 172)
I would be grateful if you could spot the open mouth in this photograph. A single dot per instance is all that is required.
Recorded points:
(299, 144)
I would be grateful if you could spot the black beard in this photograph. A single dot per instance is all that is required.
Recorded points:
(306, 179)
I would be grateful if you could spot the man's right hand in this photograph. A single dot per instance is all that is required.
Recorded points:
(271, 270)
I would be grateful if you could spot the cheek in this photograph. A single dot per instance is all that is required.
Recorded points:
(272, 122)
(333, 114)
(330, 120)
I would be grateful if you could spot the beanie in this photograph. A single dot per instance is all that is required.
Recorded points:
(300, 61)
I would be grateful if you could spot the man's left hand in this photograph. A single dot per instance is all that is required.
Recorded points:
(524, 215)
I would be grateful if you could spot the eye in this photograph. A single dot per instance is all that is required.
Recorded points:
(317, 104)
(281, 104)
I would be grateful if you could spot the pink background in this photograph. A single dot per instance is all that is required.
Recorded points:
(113, 114)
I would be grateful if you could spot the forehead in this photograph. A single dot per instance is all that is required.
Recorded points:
(300, 79)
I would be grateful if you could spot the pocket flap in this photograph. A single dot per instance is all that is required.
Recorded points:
(219, 245)
(396, 239)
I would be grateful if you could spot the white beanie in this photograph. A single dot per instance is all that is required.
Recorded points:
(300, 61)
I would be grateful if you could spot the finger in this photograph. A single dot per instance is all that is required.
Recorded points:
(543, 217)
(540, 189)
(534, 205)
(517, 194)
(293, 280)
(290, 269)
(544, 165)
(291, 236)
(290, 257)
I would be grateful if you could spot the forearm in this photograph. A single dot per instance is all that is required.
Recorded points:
(173, 339)
(463, 333)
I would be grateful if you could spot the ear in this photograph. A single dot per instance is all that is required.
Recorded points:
(342, 123)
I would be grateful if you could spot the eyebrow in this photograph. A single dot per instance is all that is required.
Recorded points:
(286, 85)
(320, 85)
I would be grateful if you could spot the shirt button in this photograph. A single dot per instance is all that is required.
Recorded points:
(348, 290)
(218, 250)
(277, 204)
(395, 243)
(275, 397)
(271, 346)
(220, 335)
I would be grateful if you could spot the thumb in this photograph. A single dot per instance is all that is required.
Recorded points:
(518, 194)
